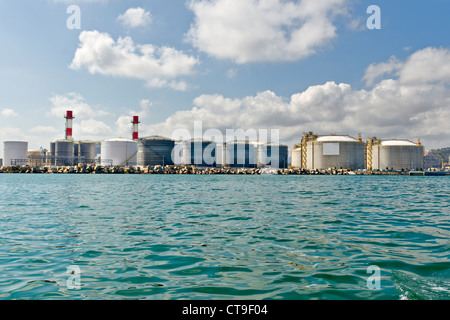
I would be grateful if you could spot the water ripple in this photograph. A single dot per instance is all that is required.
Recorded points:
(227, 237)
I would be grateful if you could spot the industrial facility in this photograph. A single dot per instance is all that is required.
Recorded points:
(199, 152)
(329, 151)
(155, 150)
(394, 155)
(314, 152)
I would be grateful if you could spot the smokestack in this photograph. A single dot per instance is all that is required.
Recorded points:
(135, 123)
(69, 118)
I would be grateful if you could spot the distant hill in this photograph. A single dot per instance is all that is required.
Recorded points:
(442, 154)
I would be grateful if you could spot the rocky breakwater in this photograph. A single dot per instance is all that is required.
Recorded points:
(171, 169)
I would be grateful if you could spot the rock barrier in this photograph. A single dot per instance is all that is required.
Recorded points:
(171, 169)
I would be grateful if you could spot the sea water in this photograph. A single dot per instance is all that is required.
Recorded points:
(224, 237)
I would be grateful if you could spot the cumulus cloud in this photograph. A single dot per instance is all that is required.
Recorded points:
(9, 113)
(263, 30)
(43, 129)
(135, 17)
(123, 126)
(159, 67)
(75, 102)
(80, 1)
(404, 106)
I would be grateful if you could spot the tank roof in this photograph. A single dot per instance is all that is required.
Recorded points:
(397, 142)
(119, 140)
(155, 137)
(336, 138)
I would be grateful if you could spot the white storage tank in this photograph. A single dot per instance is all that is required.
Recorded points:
(119, 152)
(15, 153)
(296, 157)
(397, 154)
(335, 151)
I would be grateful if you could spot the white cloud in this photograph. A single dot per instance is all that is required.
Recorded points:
(426, 66)
(263, 30)
(158, 66)
(75, 102)
(135, 17)
(404, 106)
(10, 113)
(91, 129)
(80, 1)
(43, 129)
(123, 126)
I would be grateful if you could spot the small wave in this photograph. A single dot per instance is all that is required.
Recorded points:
(414, 287)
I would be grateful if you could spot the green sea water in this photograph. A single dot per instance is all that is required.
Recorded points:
(163, 237)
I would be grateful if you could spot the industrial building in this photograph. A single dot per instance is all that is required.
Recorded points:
(239, 154)
(15, 153)
(314, 152)
(155, 150)
(394, 154)
(119, 152)
(272, 155)
(296, 156)
(199, 152)
(332, 151)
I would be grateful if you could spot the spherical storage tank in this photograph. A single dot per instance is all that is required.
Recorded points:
(155, 150)
(15, 153)
(397, 155)
(64, 152)
(199, 152)
(341, 152)
(119, 152)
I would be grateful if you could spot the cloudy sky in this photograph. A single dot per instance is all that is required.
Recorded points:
(295, 66)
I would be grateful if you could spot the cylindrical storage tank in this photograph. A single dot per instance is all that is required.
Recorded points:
(199, 152)
(76, 147)
(155, 150)
(119, 152)
(397, 155)
(296, 157)
(15, 153)
(340, 152)
(52, 153)
(86, 152)
(64, 153)
(272, 155)
(241, 154)
(34, 158)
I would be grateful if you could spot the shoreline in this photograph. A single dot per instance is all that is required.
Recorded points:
(188, 169)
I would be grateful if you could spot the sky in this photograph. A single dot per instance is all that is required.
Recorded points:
(275, 65)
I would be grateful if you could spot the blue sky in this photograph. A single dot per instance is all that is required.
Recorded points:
(294, 66)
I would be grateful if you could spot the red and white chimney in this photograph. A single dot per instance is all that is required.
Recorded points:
(135, 123)
(69, 119)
